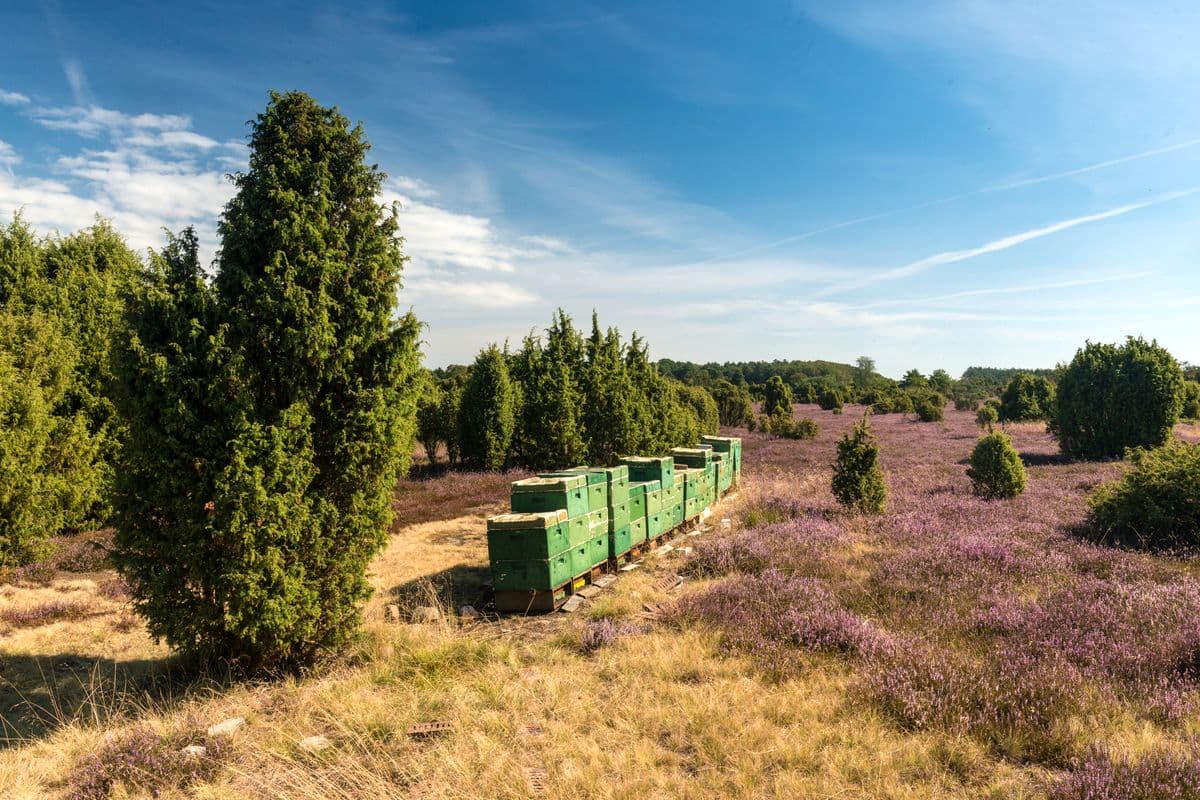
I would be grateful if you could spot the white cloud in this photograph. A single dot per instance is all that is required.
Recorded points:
(8, 156)
(997, 245)
(458, 295)
(13, 99)
(95, 121)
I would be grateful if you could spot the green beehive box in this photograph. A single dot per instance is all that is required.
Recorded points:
(698, 457)
(598, 549)
(654, 501)
(579, 530)
(676, 518)
(692, 508)
(550, 494)
(519, 537)
(649, 468)
(616, 477)
(597, 485)
(619, 516)
(637, 531)
(533, 573)
(581, 557)
(598, 523)
(637, 501)
(656, 523)
(619, 541)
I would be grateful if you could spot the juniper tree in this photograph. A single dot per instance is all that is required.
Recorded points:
(487, 412)
(1112, 397)
(777, 398)
(271, 412)
(858, 482)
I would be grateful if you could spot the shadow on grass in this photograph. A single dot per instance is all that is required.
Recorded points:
(39, 694)
(462, 584)
(1044, 459)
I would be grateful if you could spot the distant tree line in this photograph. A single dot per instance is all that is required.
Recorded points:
(563, 398)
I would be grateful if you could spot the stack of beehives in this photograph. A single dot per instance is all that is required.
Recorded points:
(566, 525)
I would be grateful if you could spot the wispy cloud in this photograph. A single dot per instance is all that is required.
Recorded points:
(997, 245)
(13, 98)
(1024, 289)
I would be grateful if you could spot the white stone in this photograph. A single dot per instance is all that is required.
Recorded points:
(391, 612)
(227, 727)
(427, 614)
(468, 612)
(313, 744)
(195, 750)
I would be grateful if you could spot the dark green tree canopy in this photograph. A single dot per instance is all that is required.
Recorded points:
(271, 413)
(1112, 397)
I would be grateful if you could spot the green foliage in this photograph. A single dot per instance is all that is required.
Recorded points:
(864, 373)
(735, 409)
(965, 403)
(1026, 397)
(996, 470)
(80, 281)
(940, 381)
(1157, 504)
(429, 421)
(448, 412)
(51, 474)
(703, 406)
(777, 398)
(272, 412)
(913, 379)
(1191, 400)
(858, 482)
(1113, 397)
(987, 416)
(830, 399)
(930, 407)
(549, 433)
(487, 413)
(786, 427)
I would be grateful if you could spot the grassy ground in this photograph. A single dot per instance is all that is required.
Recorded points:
(674, 707)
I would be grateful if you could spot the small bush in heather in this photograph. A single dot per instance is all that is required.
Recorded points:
(830, 399)
(996, 470)
(858, 482)
(786, 427)
(43, 614)
(930, 407)
(143, 759)
(1026, 397)
(965, 403)
(1157, 504)
(1113, 397)
(777, 397)
(1160, 774)
(986, 417)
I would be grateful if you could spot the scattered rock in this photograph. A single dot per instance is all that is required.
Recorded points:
(391, 613)
(195, 750)
(468, 612)
(227, 727)
(427, 614)
(314, 744)
(726, 523)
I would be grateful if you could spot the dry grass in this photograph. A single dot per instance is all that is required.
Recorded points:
(659, 713)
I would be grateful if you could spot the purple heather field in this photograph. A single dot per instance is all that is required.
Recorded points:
(996, 620)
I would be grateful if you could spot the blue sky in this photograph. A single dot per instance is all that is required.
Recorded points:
(933, 184)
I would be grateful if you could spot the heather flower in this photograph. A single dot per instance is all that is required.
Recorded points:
(1159, 775)
(143, 759)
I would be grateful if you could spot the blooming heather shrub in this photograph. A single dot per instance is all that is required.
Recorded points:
(1016, 704)
(857, 479)
(799, 546)
(996, 470)
(1157, 503)
(82, 553)
(771, 615)
(43, 614)
(600, 633)
(1160, 775)
(142, 759)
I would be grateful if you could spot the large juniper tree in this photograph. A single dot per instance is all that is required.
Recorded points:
(271, 412)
